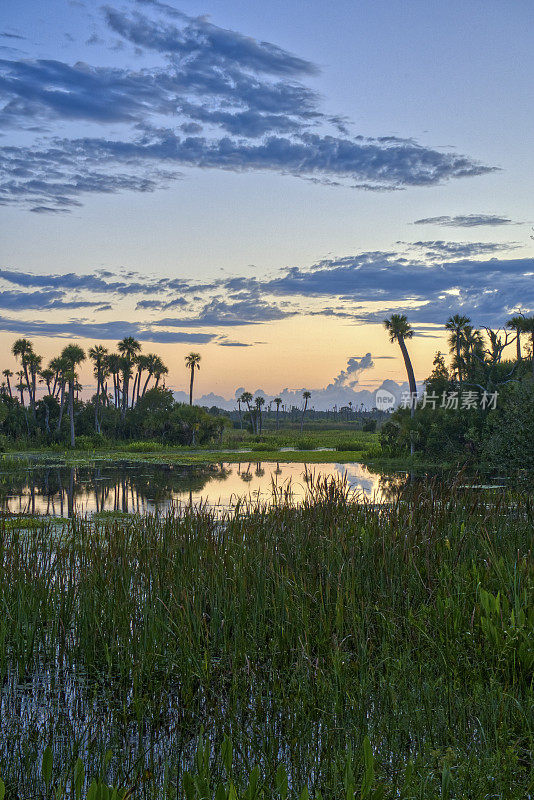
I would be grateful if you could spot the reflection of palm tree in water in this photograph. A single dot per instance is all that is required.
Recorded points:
(247, 475)
(259, 471)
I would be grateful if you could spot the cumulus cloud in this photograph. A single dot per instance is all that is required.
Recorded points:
(466, 221)
(214, 99)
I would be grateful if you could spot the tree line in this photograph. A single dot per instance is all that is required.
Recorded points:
(481, 365)
(124, 379)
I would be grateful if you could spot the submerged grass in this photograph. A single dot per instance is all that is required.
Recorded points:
(337, 644)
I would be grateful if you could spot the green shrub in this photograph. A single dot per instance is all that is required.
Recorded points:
(143, 447)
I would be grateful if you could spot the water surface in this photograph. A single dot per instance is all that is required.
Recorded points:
(133, 487)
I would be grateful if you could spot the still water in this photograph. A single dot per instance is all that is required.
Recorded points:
(131, 487)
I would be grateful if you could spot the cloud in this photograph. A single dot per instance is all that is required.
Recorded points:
(467, 221)
(221, 313)
(238, 103)
(440, 249)
(101, 331)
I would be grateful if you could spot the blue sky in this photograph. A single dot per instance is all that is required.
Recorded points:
(246, 179)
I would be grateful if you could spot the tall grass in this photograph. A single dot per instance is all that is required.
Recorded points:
(304, 634)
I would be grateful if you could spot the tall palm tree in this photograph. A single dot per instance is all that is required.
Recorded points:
(306, 395)
(150, 363)
(517, 324)
(128, 348)
(192, 362)
(98, 355)
(7, 375)
(143, 363)
(23, 349)
(21, 385)
(160, 370)
(72, 355)
(260, 401)
(113, 365)
(399, 330)
(247, 398)
(34, 364)
(47, 376)
(458, 326)
(278, 402)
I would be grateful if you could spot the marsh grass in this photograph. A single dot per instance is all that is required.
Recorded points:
(320, 638)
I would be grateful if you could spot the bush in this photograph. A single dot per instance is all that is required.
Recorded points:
(262, 447)
(305, 444)
(143, 447)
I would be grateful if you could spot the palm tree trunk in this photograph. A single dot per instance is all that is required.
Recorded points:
(191, 386)
(71, 413)
(61, 407)
(97, 402)
(146, 384)
(411, 384)
(518, 345)
(303, 412)
(9, 387)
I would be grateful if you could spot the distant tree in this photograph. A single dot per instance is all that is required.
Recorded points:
(247, 398)
(128, 348)
(458, 326)
(306, 395)
(278, 403)
(517, 324)
(47, 376)
(260, 402)
(113, 365)
(399, 330)
(192, 362)
(23, 349)
(98, 355)
(7, 375)
(72, 355)
(528, 328)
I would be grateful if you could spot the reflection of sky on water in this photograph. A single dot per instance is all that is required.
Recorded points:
(145, 488)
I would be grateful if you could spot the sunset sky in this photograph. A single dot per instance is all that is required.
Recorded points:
(264, 183)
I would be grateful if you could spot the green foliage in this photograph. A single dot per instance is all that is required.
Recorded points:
(328, 650)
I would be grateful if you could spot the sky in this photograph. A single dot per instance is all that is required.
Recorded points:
(264, 184)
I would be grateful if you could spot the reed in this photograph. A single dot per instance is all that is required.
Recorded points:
(340, 647)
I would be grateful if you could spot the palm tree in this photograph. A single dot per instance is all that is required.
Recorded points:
(23, 349)
(98, 355)
(7, 375)
(143, 363)
(517, 324)
(278, 403)
(246, 398)
(399, 330)
(260, 401)
(47, 376)
(34, 363)
(528, 328)
(150, 362)
(192, 362)
(21, 385)
(113, 365)
(306, 395)
(72, 355)
(159, 371)
(128, 348)
(459, 326)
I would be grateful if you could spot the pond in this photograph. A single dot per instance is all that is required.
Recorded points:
(133, 487)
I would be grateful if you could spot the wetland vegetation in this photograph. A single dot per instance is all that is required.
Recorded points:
(339, 646)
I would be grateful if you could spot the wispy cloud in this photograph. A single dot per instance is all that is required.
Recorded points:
(467, 221)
